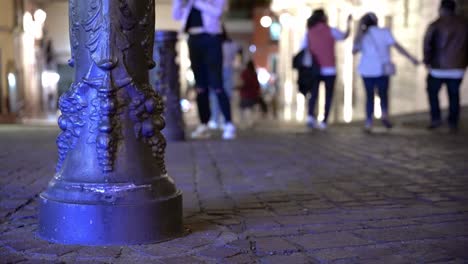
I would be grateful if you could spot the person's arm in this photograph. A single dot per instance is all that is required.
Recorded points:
(340, 35)
(214, 7)
(178, 9)
(428, 46)
(405, 53)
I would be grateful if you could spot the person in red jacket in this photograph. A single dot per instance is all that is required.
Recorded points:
(250, 92)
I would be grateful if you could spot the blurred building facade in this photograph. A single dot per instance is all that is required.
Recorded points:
(407, 19)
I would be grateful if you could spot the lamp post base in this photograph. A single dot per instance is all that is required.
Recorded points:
(110, 224)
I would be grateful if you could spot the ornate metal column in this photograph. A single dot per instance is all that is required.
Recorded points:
(111, 186)
(165, 78)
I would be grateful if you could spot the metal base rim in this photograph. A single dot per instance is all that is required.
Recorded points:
(110, 225)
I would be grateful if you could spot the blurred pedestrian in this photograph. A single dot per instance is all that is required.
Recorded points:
(446, 57)
(250, 92)
(201, 19)
(321, 43)
(230, 51)
(376, 66)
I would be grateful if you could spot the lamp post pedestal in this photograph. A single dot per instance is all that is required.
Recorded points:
(111, 186)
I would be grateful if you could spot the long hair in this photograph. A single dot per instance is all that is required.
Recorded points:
(368, 20)
(318, 16)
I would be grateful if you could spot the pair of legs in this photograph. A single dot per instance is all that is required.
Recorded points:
(206, 56)
(453, 90)
(216, 117)
(329, 90)
(379, 84)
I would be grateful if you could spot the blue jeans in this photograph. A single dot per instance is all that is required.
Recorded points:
(329, 89)
(228, 87)
(453, 91)
(206, 56)
(379, 84)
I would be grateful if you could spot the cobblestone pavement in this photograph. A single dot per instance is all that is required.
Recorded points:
(284, 196)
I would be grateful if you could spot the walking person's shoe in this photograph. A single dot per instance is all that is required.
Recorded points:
(386, 123)
(202, 131)
(368, 127)
(229, 131)
(321, 125)
(434, 125)
(213, 125)
(311, 122)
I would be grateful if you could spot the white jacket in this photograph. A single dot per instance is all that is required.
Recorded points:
(211, 11)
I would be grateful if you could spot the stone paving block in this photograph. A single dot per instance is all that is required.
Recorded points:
(328, 240)
(273, 246)
(396, 234)
(357, 253)
(220, 252)
(296, 258)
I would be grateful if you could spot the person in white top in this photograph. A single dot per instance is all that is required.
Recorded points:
(201, 19)
(376, 65)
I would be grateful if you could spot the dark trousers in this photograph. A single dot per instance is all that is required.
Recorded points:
(453, 91)
(379, 84)
(206, 56)
(329, 89)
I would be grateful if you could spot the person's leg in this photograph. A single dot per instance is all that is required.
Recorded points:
(314, 89)
(369, 84)
(329, 91)
(433, 88)
(453, 90)
(195, 45)
(215, 117)
(214, 59)
(382, 86)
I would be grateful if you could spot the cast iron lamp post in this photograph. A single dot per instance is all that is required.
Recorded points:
(111, 186)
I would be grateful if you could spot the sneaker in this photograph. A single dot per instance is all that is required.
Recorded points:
(202, 131)
(321, 126)
(229, 131)
(434, 125)
(368, 127)
(213, 125)
(387, 123)
(311, 122)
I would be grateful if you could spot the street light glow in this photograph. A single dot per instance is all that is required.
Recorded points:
(266, 21)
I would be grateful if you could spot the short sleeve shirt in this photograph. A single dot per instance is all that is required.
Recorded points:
(375, 51)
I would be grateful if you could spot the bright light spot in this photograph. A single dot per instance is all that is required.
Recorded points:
(300, 110)
(40, 16)
(252, 48)
(185, 105)
(275, 31)
(266, 21)
(263, 76)
(11, 80)
(321, 103)
(288, 92)
(348, 83)
(377, 109)
(49, 78)
(190, 77)
(285, 19)
(28, 22)
(287, 113)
